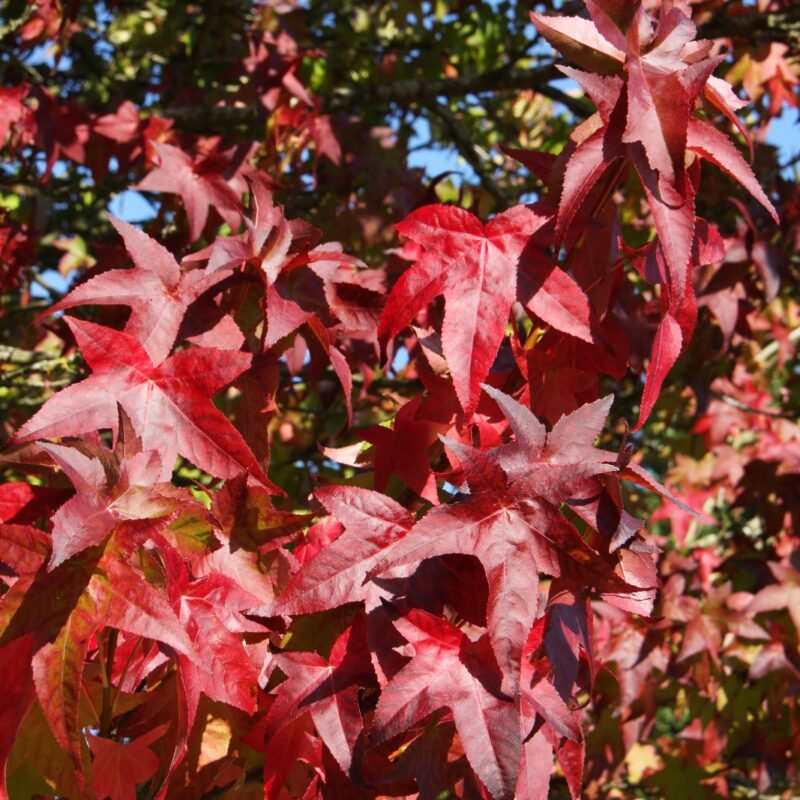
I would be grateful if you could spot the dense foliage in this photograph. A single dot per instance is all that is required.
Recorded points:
(327, 478)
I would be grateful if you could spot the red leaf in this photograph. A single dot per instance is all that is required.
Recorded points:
(530, 435)
(573, 436)
(540, 164)
(336, 575)
(412, 292)
(13, 498)
(338, 362)
(122, 126)
(448, 670)
(199, 185)
(169, 404)
(266, 241)
(24, 503)
(578, 40)
(12, 108)
(127, 601)
(674, 217)
(708, 142)
(560, 302)
(327, 690)
(295, 743)
(16, 697)
(226, 672)
(92, 514)
(666, 349)
(479, 264)
(155, 289)
(23, 549)
(511, 521)
(118, 767)
(567, 633)
(541, 698)
(585, 168)
(536, 764)
(721, 94)
(604, 90)
(634, 473)
(402, 450)
(658, 113)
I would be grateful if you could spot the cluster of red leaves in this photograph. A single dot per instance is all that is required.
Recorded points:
(723, 655)
(214, 602)
(356, 644)
(208, 177)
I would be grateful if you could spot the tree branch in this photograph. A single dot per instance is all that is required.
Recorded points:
(404, 93)
(755, 26)
(748, 409)
(468, 150)
(14, 355)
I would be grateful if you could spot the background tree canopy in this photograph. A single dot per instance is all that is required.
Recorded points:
(323, 583)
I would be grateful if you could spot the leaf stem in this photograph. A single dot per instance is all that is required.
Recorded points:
(123, 676)
(106, 660)
(608, 190)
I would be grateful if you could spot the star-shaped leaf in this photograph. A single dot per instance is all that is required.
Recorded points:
(449, 671)
(476, 267)
(652, 76)
(327, 689)
(169, 404)
(88, 517)
(156, 290)
(511, 521)
(200, 184)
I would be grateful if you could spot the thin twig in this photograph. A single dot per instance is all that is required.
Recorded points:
(468, 150)
(14, 355)
(748, 409)
(401, 92)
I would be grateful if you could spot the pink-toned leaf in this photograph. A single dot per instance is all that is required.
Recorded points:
(578, 40)
(658, 113)
(156, 291)
(336, 575)
(169, 404)
(560, 302)
(536, 764)
(604, 90)
(90, 516)
(448, 670)
(667, 346)
(708, 142)
(573, 436)
(198, 187)
(720, 94)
